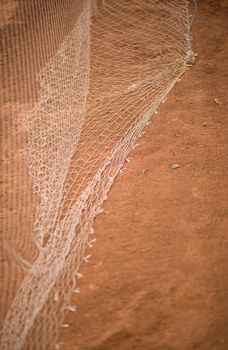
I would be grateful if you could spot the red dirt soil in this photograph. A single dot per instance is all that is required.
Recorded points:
(158, 277)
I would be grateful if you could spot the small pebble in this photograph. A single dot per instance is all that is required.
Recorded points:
(65, 325)
(175, 166)
(216, 100)
(145, 171)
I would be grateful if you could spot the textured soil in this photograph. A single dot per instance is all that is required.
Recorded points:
(158, 277)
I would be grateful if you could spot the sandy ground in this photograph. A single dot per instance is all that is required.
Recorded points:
(158, 277)
(158, 274)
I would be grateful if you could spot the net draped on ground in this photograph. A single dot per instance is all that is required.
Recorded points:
(80, 80)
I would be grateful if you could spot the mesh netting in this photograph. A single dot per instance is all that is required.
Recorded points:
(80, 80)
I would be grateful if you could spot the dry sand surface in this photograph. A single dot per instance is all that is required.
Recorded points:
(158, 278)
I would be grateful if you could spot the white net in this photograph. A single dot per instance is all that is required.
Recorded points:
(80, 80)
